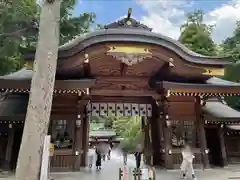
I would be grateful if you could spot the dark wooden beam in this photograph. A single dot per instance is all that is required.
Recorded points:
(59, 84)
(198, 88)
(201, 133)
(120, 99)
(78, 140)
(221, 120)
(223, 148)
(53, 117)
(107, 92)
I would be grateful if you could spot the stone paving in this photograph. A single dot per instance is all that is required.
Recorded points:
(110, 171)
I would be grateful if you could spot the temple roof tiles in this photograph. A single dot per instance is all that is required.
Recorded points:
(220, 110)
(22, 74)
(219, 81)
(129, 23)
(137, 36)
(131, 30)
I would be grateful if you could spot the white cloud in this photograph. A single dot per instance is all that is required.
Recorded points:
(167, 16)
(164, 16)
(224, 18)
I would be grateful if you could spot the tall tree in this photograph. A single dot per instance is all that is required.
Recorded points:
(19, 21)
(71, 26)
(40, 100)
(231, 47)
(82, 24)
(196, 35)
(17, 18)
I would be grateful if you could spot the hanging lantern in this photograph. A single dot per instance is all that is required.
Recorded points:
(78, 123)
(168, 123)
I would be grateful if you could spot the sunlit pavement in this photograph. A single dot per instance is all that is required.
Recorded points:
(110, 171)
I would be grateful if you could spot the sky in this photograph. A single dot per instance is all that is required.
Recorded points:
(166, 16)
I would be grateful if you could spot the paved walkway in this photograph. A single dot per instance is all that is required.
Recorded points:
(110, 171)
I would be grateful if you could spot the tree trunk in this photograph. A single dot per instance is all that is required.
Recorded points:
(40, 100)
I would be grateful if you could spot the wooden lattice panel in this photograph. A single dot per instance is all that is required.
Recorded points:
(119, 109)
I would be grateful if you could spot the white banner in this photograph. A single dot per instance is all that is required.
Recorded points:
(145, 175)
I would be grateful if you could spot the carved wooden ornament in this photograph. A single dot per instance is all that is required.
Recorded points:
(129, 55)
(214, 71)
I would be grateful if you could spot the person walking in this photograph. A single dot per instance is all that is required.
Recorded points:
(103, 150)
(138, 155)
(109, 152)
(187, 163)
(98, 158)
(125, 157)
(138, 158)
(91, 153)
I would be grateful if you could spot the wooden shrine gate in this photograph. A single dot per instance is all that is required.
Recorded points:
(126, 109)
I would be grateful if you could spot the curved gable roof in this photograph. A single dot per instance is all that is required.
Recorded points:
(22, 74)
(80, 43)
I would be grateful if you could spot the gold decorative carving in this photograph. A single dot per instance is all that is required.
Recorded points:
(214, 71)
(128, 50)
(130, 59)
(129, 55)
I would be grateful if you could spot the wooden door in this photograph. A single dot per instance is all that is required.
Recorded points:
(3, 145)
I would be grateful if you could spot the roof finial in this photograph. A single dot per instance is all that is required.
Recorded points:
(129, 13)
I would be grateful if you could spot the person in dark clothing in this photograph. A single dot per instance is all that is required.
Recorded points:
(138, 156)
(111, 145)
(109, 152)
(98, 159)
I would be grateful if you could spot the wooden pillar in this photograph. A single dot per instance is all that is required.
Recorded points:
(78, 135)
(150, 141)
(155, 135)
(168, 147)
(8, 154)
(222, 144)
(167, 132)
(201, 132)
(160, 131)
(85, 140)
(147, 141)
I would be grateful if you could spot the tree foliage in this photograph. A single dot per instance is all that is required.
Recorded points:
(129, 128)
(19, 21)
(232, 73)
(231, 47)
(196, 35)
(71, 26)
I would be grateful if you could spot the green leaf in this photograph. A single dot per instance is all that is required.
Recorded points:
(196, 35)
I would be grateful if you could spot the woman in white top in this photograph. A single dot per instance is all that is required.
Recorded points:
(91, 153)
(187, 163)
